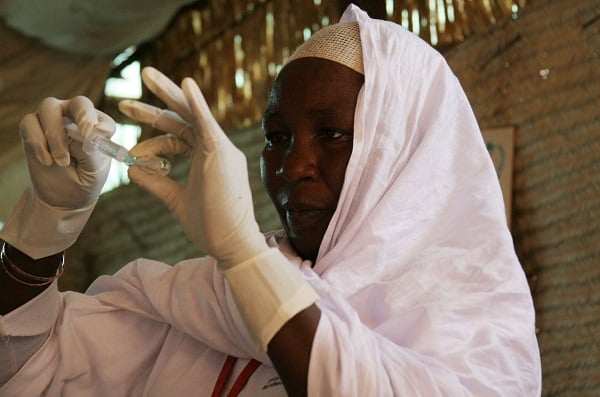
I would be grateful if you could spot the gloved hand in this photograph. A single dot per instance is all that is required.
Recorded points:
(65, 181)
(215, 206)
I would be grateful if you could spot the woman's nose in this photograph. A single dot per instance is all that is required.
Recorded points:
(299, 162)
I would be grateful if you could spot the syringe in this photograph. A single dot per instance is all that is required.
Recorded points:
(155, 164)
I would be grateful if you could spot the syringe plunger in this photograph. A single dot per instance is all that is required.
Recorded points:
(96, 140)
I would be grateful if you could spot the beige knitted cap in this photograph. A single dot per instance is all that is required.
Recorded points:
(339, 43)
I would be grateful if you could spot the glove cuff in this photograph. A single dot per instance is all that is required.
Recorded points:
(40, 230)
(234, 251)
(268, 292)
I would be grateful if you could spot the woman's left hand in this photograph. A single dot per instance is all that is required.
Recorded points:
(215, 205)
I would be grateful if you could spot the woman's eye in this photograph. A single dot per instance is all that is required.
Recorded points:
(331, 134)
(334, 134)
(275, 138)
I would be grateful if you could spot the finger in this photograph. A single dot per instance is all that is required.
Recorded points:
(163, 187)
(163, 145)
(87, 159)
(167, 91)
(34, 141)
(88, 119)
(210, 132)
(106, 125)
(83, 111)
(50, 113)
(164, 120)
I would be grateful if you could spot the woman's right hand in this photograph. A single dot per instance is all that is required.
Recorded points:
(62, 174)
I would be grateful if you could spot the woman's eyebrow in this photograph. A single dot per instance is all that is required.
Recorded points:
(343, 110)
(269, 114)
(339, 106)
(323, 111)
(318, 110)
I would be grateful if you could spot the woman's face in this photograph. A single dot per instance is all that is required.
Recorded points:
(308, 125)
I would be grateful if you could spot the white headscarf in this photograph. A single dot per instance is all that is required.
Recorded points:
(421, 197)
(419, 243)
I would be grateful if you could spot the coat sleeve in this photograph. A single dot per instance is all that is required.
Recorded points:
(70, 344)
(73, 342)
(192, 296)
(25, 329)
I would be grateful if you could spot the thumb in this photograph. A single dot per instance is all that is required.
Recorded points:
(162, 187)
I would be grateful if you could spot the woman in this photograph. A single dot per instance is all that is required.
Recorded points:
(395, 273)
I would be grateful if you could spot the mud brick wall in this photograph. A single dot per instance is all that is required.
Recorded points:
(540, 74)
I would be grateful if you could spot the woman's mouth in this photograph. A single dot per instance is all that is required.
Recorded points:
(299, 219)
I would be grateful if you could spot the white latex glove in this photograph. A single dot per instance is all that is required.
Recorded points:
(65, 181)
(215, 206)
